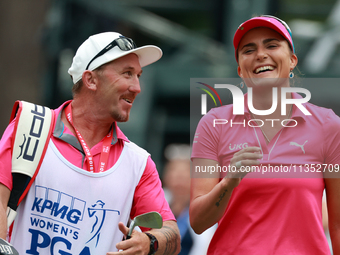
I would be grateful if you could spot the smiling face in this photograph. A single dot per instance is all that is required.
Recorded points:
(264, 53)
(118, 86)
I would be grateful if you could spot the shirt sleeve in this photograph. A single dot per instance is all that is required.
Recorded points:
(205, 144)
(149, 195)
(6, 156)
(332, 139)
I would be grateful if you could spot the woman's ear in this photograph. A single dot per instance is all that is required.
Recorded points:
(293, 61)
(239, 72)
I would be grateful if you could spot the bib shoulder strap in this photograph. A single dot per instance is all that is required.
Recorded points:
(32, 130)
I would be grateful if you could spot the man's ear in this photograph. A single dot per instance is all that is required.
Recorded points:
(90, 80)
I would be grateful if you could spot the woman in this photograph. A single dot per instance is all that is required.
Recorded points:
(266, 215)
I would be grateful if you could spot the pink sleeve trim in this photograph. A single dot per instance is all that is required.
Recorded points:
(150, 189)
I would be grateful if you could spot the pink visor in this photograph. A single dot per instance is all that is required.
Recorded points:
(265, 21)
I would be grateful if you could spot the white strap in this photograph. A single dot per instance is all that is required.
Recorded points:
(31, 136)
(11, 214)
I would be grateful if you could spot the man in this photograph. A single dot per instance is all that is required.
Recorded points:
(176, 183)
(92, 179)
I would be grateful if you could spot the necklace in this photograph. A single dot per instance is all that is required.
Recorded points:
(264, 134)
(104, 156)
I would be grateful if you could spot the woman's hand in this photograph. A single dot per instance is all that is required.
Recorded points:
(241, 164)
(210, 196)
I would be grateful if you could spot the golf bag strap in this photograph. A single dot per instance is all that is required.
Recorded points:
(32, 129)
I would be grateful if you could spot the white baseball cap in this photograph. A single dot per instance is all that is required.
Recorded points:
(87, 57)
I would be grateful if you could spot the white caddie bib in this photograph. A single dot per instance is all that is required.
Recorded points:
(71, 211)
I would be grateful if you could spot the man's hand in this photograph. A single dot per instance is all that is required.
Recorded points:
(138, 244)
(168, 237)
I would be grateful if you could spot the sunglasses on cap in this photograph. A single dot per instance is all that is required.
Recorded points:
(124, 43)
(284, 24)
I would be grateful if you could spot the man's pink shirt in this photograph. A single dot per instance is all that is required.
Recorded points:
(148, 189)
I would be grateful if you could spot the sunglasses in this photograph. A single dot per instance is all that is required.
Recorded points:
(285, 25)
(124, 43)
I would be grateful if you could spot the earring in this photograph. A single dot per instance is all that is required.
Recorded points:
(241, 85)
(291, 75)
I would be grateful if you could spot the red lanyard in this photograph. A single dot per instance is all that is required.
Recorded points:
(89, 158)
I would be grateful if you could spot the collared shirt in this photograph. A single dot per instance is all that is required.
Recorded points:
(272, 215)
(148, 189)
(66, 142)
(310, 141)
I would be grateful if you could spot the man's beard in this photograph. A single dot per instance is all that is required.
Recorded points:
(119, 117)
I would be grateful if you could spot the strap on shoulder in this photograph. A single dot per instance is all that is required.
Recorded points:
(32, 130)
